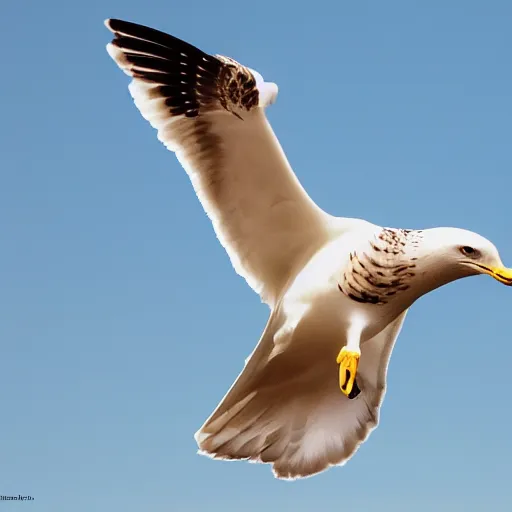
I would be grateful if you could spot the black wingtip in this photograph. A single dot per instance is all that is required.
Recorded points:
(122, 28)
(189, 79)
(111, 23)
(115, 25)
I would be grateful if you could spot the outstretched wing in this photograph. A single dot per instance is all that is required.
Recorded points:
(209, 110)
(289, 410)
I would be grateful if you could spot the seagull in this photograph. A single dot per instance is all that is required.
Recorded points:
(338, 288)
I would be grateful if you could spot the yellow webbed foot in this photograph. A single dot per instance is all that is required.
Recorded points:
(348, 361)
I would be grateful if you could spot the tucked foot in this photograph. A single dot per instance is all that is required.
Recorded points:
(348, 361)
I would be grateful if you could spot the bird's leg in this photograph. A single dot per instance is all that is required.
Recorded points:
(348, 359)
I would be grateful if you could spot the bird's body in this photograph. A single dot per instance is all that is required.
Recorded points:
(338, 288)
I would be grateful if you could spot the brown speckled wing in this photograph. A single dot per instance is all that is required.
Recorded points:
(188, 79)
(209, 110)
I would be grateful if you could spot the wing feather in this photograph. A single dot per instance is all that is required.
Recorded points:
(289, 411)
(210, 111)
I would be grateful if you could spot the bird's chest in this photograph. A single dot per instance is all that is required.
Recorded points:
(330, 316)
(369, 287)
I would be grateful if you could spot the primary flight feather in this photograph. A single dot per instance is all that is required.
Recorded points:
(338, 288)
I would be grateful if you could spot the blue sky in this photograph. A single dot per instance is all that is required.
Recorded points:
(123, 323)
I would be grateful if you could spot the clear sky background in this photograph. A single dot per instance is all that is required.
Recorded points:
(123, 323)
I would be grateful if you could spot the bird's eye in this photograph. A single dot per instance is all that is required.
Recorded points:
(469, 251)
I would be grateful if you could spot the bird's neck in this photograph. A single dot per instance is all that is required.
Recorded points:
(383, 269)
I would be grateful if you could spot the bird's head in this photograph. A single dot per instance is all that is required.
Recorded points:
(450, 253)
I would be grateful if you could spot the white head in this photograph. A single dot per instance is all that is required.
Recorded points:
(447, 254)
(402, 265)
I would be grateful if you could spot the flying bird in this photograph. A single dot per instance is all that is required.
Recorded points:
(338, 288)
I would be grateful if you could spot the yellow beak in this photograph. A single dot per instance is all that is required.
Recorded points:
(501, 274)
